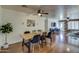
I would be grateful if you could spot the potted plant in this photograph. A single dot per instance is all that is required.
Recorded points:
(6, 29)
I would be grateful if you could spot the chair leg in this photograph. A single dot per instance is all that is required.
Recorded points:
(33, 48)
(45, 42)
(39, 47)
(42, 44)
(23, 48)
(50, 42)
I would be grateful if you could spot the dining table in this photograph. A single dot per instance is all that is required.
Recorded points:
(27, 38)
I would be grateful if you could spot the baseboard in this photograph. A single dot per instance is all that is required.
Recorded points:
(12, 43)
(15, 43)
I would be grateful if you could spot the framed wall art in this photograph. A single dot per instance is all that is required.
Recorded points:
(30, 23)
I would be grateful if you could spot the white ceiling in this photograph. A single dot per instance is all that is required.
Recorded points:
(53, 10)
(33, 8)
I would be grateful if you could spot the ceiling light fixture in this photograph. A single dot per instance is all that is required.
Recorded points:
(39, 14)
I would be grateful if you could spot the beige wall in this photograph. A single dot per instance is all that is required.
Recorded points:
(1, 39)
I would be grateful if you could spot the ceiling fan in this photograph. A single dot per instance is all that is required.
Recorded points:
(41, 12)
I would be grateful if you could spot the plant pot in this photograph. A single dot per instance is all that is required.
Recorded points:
(6, 45)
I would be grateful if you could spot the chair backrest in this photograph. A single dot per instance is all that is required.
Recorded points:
(35, 39)
(26, 32)
(49, 35)
(44, 33)
(43, 36)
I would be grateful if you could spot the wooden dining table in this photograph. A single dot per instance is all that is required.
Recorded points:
(28, 37)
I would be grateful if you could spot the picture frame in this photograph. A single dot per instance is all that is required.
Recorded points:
(53, 24)
(30, 23)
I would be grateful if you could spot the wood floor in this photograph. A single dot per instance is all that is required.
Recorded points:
(59, 45)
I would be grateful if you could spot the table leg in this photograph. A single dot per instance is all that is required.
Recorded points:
(23, 45)
(42, 43)
(28, 45)
(29, 49)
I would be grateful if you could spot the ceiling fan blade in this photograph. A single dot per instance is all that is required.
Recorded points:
(24, 5)
(44, 13)
(39, 11)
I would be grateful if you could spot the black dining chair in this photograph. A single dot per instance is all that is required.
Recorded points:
(49, 36)
(35, 41)
(25, 43)
(43, 38)
(28, 45)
